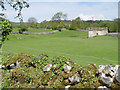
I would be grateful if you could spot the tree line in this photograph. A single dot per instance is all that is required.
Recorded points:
(59, 21)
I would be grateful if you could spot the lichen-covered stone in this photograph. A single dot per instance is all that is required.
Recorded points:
(67, 75)
(106, 80)
(66, 82)
(75, 78)
(67, 68)
(117, 76)
(108, 73)
(47, 67)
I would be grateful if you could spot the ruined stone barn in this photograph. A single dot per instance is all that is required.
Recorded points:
(97, 31)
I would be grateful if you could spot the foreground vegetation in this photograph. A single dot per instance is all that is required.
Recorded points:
(25, 71)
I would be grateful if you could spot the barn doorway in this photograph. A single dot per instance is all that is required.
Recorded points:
(97, 34)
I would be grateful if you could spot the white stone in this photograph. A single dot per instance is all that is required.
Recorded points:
(101, 68)
(17, 64)
(3, 67)
(74, 78)
(67, 62)
(112, 74)
(0, 66)
(109, 73)
(117, 76)
(54, 66)
(66, 87)
(12, 66)
(47, 67)
(67, 68)
(106, 80)
(102, 87)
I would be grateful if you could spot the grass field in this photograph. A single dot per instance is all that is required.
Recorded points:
(73, 44)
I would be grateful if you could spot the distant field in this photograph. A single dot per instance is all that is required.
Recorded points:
(73, 44)
(33, 30)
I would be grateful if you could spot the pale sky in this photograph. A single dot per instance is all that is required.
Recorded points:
(73, 0)
(44, 10)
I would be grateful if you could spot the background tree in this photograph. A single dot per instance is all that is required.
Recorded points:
(73, 25)
(95, 25)
(59, 16)
(114, 25)
(77, 24)
(33, 22)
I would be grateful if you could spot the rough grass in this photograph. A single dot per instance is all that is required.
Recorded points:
(73, 44)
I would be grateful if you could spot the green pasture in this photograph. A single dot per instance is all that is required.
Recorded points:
(73, 44)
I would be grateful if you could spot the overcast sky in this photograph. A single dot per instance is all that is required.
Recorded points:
(44, 10)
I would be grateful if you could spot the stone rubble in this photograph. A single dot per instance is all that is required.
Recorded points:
(54, 66)
(102, 88)
(47, 67)
(2, 66)
(17, 64)
(117, 76)
(68, 75)
(109, 73)
(74, 78)
(67, 87)
(106, 80)
(67, 62)
(12, 66)
(67, 68)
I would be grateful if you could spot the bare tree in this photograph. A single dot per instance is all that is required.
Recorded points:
(32, 20)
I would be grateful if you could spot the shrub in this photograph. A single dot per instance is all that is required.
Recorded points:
(22, 29)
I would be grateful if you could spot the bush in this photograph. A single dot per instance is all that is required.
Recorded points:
(22, 29)
(6, 28)
(114, 27)
(72, 28)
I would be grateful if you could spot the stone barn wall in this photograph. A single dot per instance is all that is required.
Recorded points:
(97, 32)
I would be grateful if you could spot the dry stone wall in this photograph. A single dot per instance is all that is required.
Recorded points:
(25, 71)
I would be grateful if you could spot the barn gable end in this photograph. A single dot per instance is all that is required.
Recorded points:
(97, 32)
